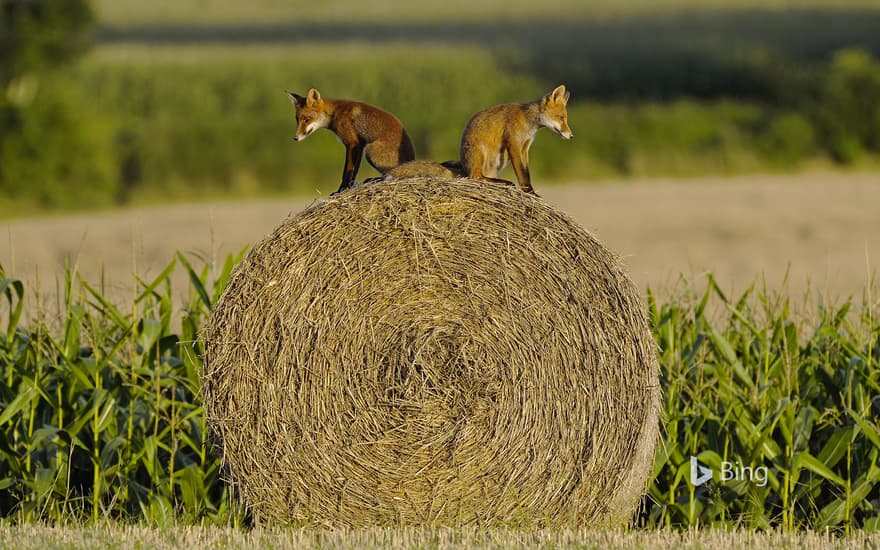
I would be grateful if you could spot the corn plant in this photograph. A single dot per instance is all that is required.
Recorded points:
(100, 414)
(101, 418)
(759, 392)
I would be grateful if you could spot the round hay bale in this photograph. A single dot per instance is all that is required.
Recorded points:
(430, 351)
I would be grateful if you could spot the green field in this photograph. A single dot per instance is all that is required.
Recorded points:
(102, 417)
(175, 101)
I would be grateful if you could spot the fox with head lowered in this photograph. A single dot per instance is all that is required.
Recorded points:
(505, 132)
(364, 130)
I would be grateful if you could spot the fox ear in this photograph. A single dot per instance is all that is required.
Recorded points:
(313, 96)
(559, 95)
(296, 99)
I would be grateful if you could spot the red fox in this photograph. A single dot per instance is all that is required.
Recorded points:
(506, 132)
(449, 169)
(361, 128)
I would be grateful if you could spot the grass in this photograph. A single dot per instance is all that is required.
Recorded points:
(36, 537)
(101, 417)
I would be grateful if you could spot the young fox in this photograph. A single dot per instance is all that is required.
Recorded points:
(506, 132)
(361, 128)
(449, 169)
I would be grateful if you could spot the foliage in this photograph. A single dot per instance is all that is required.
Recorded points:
(136, 13)
(45, 152)
(759, 389)
(188, 122)
(49, 158)
(222, 124)
(40, 34)
(166, 108)
(846, 110)
(101, 416)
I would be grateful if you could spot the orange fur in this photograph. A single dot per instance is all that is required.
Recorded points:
(362, 128)
(450, 169)
(505, 132)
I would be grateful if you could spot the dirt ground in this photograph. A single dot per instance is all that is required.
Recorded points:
(821, 230)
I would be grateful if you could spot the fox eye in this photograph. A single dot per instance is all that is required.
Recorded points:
(306, 118)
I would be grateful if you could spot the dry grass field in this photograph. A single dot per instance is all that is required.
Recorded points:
(816, 232)
(37, 537)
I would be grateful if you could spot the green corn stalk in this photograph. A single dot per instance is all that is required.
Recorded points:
(101, 416)
(769, 391)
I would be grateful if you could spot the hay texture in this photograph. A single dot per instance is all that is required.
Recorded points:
(431, 351)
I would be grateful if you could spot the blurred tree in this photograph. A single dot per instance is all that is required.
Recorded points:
(48, 155)
(40, 34)
(848, 107)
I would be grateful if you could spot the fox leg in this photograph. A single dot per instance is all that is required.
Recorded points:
(352, 164)
(496, 180)
(520, 161)
(379, 158)
(491, 166)
(479, 176)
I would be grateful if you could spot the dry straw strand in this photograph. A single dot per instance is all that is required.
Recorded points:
(429, 351)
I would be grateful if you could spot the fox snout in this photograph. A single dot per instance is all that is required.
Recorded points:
(307, 127)
(564, 131)
(302, 134)
(557, 124)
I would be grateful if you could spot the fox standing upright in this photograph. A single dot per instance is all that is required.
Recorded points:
(506, 132)
(360, 127)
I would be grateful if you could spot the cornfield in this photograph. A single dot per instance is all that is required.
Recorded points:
(100, 415)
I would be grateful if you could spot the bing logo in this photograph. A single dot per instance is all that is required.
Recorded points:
(730, 471)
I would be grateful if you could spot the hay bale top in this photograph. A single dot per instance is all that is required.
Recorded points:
(426, 350)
